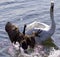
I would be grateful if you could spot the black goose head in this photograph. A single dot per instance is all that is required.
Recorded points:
(8, 26)
(24, 29)
(13, 32)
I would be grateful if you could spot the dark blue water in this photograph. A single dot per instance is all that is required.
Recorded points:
(22, 12)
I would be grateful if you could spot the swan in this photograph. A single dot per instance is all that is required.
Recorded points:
(46, 31)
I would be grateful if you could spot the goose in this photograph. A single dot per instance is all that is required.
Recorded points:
(24, 29)
(46, 31)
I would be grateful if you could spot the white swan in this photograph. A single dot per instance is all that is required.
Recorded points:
(46, 31)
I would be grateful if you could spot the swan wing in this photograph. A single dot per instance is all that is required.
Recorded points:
(35, 26)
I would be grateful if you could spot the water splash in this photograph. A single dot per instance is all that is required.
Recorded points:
(39, 51)
(55, 53)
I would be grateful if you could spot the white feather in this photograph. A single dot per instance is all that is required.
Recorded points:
(47, 31)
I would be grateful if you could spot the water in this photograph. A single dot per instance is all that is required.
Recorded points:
(22, 12)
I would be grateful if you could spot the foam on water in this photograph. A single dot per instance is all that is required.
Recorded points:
(39, 51)
(55, 53)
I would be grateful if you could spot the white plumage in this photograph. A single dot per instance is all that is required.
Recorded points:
(46, 31)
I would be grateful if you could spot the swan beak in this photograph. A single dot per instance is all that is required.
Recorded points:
(52, 5)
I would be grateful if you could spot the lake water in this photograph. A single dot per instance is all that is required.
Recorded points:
(22, 12)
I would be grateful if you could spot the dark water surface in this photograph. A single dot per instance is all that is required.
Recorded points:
(22, 12)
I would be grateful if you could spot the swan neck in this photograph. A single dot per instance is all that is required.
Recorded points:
(52, 28)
